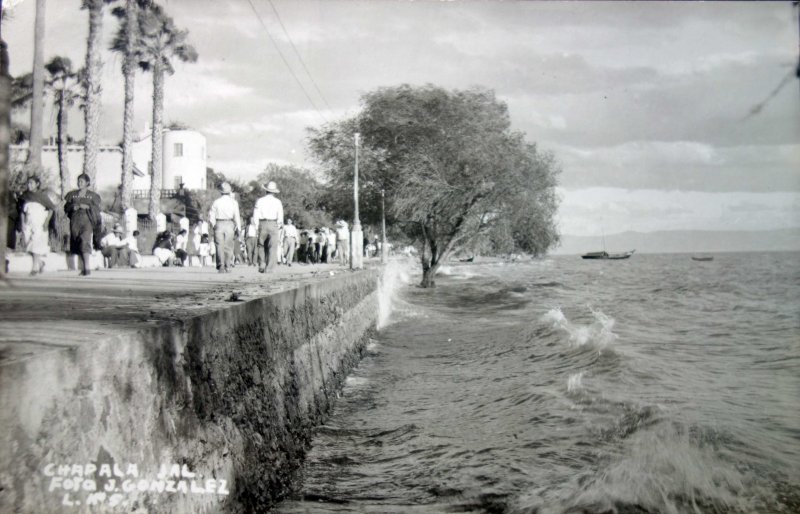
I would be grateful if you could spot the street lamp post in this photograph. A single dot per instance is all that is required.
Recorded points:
(384, 249)
(356, 235)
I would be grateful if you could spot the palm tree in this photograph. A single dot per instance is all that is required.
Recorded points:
(94, 70)
(161, 40)
(64, 83)
(126, 42)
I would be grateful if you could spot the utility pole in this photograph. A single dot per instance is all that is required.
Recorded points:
(356, 235)
(384, 250)
(5, 140)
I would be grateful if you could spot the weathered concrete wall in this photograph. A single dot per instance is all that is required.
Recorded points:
(206, 414)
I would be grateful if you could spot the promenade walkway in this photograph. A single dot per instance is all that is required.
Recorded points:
(58, 310)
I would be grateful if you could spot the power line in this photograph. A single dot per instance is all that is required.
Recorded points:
(283, 58)
(278, 16)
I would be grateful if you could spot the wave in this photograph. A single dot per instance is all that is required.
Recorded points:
(668, 468)
(395, 275)
(598, 334)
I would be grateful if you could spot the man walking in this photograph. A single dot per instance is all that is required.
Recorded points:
(250, 241)
(224, 217)
(268, 213)
(342, 242)
(289, 241)
(83, 208)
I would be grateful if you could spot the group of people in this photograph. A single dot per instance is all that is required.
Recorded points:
(266, 241)
(269, 239)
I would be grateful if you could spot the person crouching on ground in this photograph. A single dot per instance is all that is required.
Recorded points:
(269, 214)
(36, 209)
(83, 209)
(163, 248)
(114, 249)
(224, 217)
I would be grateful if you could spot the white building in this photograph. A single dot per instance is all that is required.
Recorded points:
(184, 161)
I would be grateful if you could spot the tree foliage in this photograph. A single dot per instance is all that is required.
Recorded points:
(454, 172)
(302, 195)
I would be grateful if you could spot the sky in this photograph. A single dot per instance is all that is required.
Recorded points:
(662, 115)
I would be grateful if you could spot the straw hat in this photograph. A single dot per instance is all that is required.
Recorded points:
(271, 187)
(225, 188)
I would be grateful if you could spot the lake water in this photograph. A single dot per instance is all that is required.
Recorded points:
(655, 384)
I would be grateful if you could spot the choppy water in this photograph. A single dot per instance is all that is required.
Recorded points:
(656, 384)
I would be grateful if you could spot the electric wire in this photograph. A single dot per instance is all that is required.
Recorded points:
(285, 61)
(297, 53)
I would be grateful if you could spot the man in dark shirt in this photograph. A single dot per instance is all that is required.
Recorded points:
(83, 208)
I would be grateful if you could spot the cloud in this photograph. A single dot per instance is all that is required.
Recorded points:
(594, 211)
(684, 165)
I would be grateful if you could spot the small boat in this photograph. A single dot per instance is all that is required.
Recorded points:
(607, 256)
(702, 259)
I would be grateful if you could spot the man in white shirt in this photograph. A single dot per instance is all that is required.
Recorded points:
(342, 242)
(132, 242)
(289, 241)
(268, 213)
(113, 248)
(224, 217)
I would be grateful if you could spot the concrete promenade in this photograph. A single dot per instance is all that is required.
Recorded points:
(108, 381)
(59, 310)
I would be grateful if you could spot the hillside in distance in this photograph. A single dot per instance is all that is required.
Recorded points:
(684, 241)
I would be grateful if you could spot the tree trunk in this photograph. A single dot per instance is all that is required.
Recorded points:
(62, 117)
(428, 275)
(5, 140)
(62, 124)
(94, 70)
(34, 161)
(154, 206)
(129, 71)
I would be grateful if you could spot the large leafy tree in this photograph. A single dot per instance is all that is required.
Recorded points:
(453, 170)
(126, 42)
(94, 71)
(160, 41)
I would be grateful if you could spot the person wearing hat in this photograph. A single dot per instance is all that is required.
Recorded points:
(224, 218)
(268, 213)
(83, 209)
(113, 248)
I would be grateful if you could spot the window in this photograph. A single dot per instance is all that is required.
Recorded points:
(178, 150)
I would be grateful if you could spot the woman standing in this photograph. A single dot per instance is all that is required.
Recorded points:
(36, 209)
(83, 208)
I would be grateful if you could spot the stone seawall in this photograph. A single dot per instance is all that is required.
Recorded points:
(211, 413)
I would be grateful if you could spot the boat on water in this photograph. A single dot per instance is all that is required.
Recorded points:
(702, 259)
(604, 255)
(607, 256)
